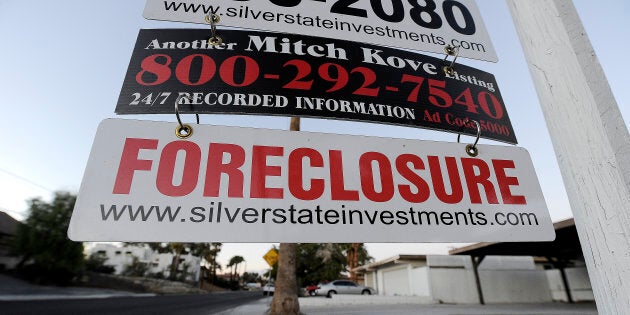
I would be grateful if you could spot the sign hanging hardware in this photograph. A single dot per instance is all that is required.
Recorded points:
(183, 131)
(214, 40)
(450, 51)
(471, 149)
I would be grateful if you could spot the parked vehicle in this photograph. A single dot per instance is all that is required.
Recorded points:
(268, 289)
(343, 287)
(311, 289)
(252, 286)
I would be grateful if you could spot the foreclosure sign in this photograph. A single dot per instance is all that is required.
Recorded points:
(281, 74)
(235, 184)
(427, 25)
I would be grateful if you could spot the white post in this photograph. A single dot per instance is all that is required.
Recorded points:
(590, 139)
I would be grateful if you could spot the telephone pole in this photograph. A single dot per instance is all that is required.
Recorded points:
(590, 139)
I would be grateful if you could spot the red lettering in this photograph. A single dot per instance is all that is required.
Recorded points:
(422, 188)
(296, 174)
(474, 180)
(161, 72)
(216, 167)
(385, 176)
(260, 171)
(506, 181)
(304, 178)
(129, 163)
(166, 169)
(438, 180)
(337, 186)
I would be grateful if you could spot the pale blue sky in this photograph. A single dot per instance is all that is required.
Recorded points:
(62, 65)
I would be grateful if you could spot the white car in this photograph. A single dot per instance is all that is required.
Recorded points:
(343, 287)
(268, 289)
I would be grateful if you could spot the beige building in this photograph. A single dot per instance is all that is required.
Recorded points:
(489, 273)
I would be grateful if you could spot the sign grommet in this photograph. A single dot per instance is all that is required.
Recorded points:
(183, 131)
(471, 149)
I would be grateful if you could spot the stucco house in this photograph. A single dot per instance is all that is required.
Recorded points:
(121, 256)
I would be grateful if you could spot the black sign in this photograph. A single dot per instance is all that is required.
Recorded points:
(293, 75)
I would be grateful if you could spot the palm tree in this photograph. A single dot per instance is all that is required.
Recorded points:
(353, 259)
(216, 248)
(356, 254)
(234, 262)
(285, 297)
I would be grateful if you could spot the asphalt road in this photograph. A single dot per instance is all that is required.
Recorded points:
(166, 304)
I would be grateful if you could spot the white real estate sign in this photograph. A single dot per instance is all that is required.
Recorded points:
(234, 184)
(427, 25)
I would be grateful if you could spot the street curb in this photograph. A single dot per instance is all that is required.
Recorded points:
(7, 298)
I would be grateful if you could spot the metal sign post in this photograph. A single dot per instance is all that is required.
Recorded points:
(590, 139)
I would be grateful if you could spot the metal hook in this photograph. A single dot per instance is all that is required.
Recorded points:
(214, 40)
(471, 149)
(183, 131)
(450, 51)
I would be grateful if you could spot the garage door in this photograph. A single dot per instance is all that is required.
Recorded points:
(396, 282)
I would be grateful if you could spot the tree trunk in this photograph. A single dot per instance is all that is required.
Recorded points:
(214, 269)
(285, 297)
(353, 260)
(174, 267)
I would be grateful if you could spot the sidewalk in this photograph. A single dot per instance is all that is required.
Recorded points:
(13, 289)
(260, 307)
(376, 305)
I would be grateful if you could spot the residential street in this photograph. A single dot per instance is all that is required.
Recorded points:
(19, 297)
